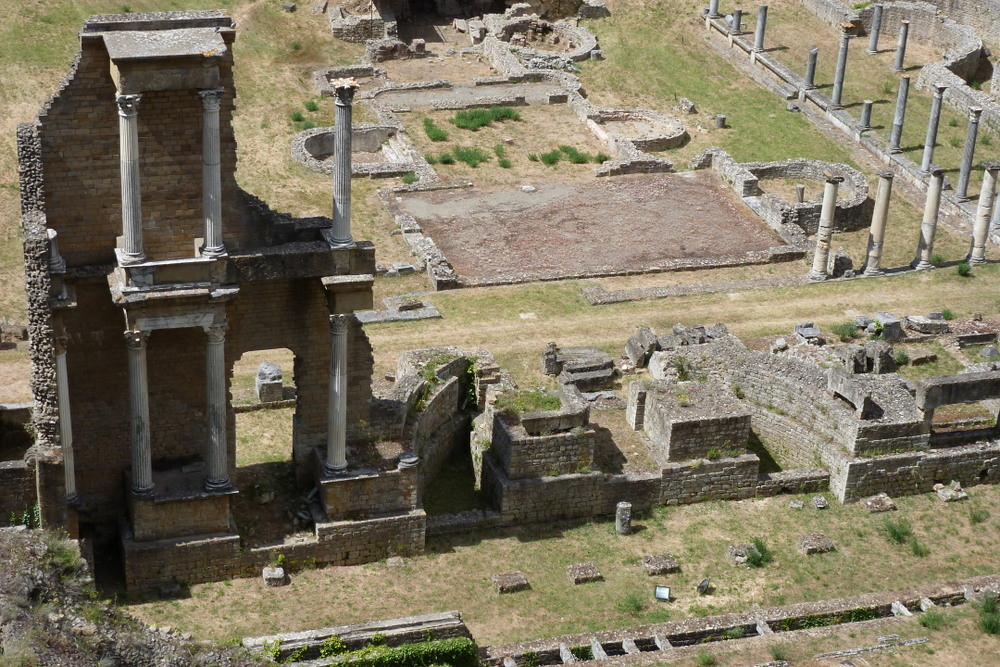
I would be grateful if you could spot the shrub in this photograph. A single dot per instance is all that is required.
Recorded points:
(888, 87)
(738, 392)
(307, 125)
(898, 531)
(434, 133)
(311, 105)
(846, 331)
(932, 619)
(917, 548)
(505, 163)
(473, 119)
(533, 157)
(333, 645)
(947, 314)
(963, 269)
(902, 358)
(989, 614)
(297, 117)
(575, 156)
(582, 652)
(550, 158)
(937, 260)
(601, 158)
(979, 515)
(410, 177)
(779, 651)
(471, 156)
(296, 45)
(632, 604)
(759, 555)
(447, 158)
(953, 122)
(431, 158)
(705, 659)
(954, 142)
(733, 633)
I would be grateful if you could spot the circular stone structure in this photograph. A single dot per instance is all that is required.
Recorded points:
(647, 130)
(530, 35)
(315, 146)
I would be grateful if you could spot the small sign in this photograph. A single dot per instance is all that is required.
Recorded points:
(662, 593)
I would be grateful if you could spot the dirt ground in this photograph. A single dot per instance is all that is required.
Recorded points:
(629, 222)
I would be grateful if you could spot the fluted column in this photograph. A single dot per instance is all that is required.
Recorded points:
(838, 77)
(65, 418)
(987, 196)
(873, 33)
(128, 146)
(336, 414)
(904, 30)
(217, 477)
(340, 234)
(138, 390)
(211, 173)
(928, 227)
(896, 135)
(810, 78)
(932, 127)
(965, 169)
(825, 232)
(758, 35)
(873, 265)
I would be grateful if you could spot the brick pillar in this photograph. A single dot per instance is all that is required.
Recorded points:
(142, 456)
(336, 437)
(128, 140)
(217, 477)
(211, 173)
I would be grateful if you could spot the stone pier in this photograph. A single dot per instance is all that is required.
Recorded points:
(128, 141)
(873, 33)
(339, 235)
(904, 31)
(810, 78)
(713, 9)
(932, 127)
(876, 236)
(217, 478)
(866, 116)
(736, 28)
(138, 390)
(336, 438)
(820, 270)
(928, 227)
(987, 197)
(896, 135)
(961, 190)
(758, 35)
(211, 173)
(838, 77)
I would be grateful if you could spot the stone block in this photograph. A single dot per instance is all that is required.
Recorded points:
(880, 503)
(918, 356)
(816, 543)
(640, 347)
(660, 564)
(268, 384)
(926, 325)
(950, 493)
(582, 573)
(510, 582)
(880, 358)
(635, 406)
(288, 7)
(820, 503)
(319, 7)
(739, 553)
(274, 577)
(892, 326)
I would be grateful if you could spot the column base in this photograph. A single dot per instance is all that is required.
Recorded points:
(131, 258)
(817, 277)
(334, 471)
(864, 128)
(922, 265)
(212, 485)
(963, 199)
(871, 53)
(340, 243)
(835, 107)
(144, 491)
(218, 251)
(873, 273)
(975, 261)
(74, 499)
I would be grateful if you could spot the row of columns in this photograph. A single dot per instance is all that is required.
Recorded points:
(928, 225)
(131, 190)
(217, 474)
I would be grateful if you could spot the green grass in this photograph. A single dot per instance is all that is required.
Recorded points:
(470, 155)
(474, 119)
(898, 531)
(410, 178)
(574, 155)
(551, 158)
(433, 132)
(524, 401)
(845, 331)
(760, 555)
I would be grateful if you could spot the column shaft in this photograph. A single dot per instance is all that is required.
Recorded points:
(987, 196)
(897, 121)
(928, 226)
(873, 265)
(873, 33)
(825, 232)
(65, 419)
(713, 9)
(758, 35)
(866, 116)
(904, 30)
(128, 140)
(810, 79)
(142, 456)
(969, 151)
(340, 234)
(932, 127)
(838, 77)
(211, 173)
(336, 438)
(215, 385)
(737, 22)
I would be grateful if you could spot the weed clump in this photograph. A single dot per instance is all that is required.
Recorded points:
(410, 178)
(527, 400)
(549, 159)
(473, 119)
(963, 269)
(471, 156)
(760, 555)
(632, 604)
(898, 531)
(989, 614)
(574, 155)
(433, 132)
(846, 331)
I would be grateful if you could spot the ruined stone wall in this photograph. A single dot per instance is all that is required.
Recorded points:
(524, 456)
(361, 495)
(438, 427)
(152, 520)
(722, 479)
(18, 484)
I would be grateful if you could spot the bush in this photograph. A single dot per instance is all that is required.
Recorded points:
(296, 45)
(947, 314)
(582, 652)
(471, 156)
(632, 604)
(410, 177)
(963, 269)
(434, 133)
(533, 157)
(307, 125)
(550, 158)
(846, 331)
(937, 260)
(505, 163)
(473, 119)
(978, 515)
(733, 633)
(902, 358)
(985, 139)
(705, 659)
(575, 156)
(918, 549)
(447, 158)
(297, 117)
(898, 531)
(779, 651)
(989, 614)
(431, 158)
(759, 555)
(953, 122)
(311, 105)
(932, 619)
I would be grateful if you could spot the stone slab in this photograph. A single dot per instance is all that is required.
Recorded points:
(816, 543)
(510, 582)
(582, 573)
(880, 503)
(660, 564)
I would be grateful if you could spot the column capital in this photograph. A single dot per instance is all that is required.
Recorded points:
(974, 114)
(887, 174)
(339, 322)
(833, 178)
(128, 105)
(939, 89)
(211, 98)
(991, 166)
(136, 339)
(61, 342)
(344, 90)
(217, 332)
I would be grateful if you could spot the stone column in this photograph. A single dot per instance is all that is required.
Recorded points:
(925, 245)
(142, 455)
(217, 477)
(987, 196)
(825, 232)
(623, 518)
(211, 173)
(713, 9)
(995, 218)
(758, 35)
(866, 116)
(336, 413)
(737, 22)
(932, 127)
(904, 30)
(873, 265)
(800, 194)
(128, 143)
(873, 33)
(838, 77)
(897, 121)
(962, 188)
(65, 418)
(810, 79)
(339, 235)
